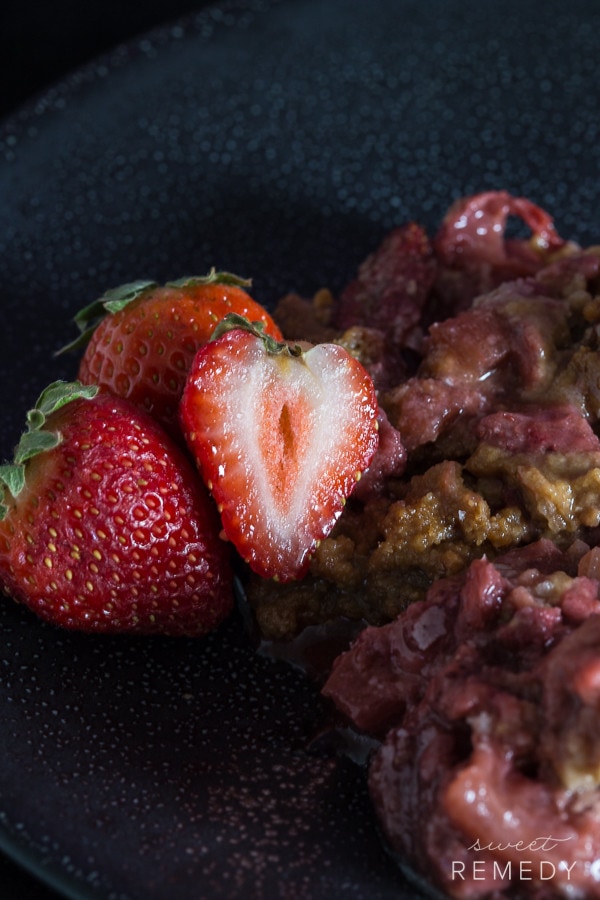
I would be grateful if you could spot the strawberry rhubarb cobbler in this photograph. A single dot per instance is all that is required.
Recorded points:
(471, 551)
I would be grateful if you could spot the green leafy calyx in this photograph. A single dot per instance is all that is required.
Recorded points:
(235, 322)
(113, 301)
(213, 277)
(117, 299)
(36, 439)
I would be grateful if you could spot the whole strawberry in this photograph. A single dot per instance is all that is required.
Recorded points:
(281, 434)
(105, 525)
(141, 338)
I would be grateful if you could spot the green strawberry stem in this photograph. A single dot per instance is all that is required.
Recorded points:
(116, 299)
(235, 322)
(35, 439)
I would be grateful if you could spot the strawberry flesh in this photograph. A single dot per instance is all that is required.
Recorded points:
(280, 440)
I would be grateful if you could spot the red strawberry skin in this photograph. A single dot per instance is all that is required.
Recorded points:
(144, 351)
(114, 532)
(280, 441)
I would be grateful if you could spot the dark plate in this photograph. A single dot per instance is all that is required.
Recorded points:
(279, 140)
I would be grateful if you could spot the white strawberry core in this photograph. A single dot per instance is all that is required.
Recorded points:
(290, 422)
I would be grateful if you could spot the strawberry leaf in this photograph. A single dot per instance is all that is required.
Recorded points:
(58, 394)
(213, 277)
(116, 299)
(33, 443)
(113, 301)
(13, 478)
(35, 439)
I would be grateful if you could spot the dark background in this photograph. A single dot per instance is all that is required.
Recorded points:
(40, 43)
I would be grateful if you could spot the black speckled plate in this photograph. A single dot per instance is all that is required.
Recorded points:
(279, 140)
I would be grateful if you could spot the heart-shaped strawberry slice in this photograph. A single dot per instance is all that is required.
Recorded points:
(281, 434)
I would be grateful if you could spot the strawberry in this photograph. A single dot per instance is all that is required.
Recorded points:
(105, 525)
(141, 338)
(281, 433)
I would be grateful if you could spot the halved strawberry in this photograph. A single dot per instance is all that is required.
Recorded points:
(105, 524)
(281, 434)
(141, 337)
